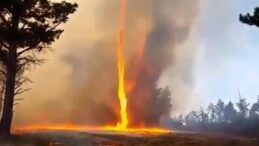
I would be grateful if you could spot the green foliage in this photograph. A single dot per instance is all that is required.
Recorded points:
(230, 113)
(212, 112)
(254, 111)
(251, 19)
(243, 108)
(220, 110)
(204, 116)
(30, 26)
(38, 21)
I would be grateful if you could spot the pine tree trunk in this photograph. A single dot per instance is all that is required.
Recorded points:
(2, 98)
(7, 115)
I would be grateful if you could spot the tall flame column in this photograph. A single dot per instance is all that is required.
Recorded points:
(123, 123)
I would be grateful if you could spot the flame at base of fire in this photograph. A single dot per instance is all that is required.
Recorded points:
(137, 130)
(71, 127)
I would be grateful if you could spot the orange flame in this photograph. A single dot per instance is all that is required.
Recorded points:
(121, 89)
(72, 127)
(121, 72)
(122, 124)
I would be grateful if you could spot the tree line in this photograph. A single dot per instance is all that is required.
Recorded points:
(238, 118)
(233, 118)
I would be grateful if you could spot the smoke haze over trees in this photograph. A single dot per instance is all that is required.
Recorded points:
(240, 118)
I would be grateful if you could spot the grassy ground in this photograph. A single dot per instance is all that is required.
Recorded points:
(60, 138)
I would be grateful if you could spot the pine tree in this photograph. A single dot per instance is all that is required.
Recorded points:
(27, 27)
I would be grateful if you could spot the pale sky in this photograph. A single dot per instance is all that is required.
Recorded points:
(228, 51)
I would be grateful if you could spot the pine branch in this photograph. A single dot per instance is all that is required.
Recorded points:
(4, 20)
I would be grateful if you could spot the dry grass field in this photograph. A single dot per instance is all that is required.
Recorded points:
(68, 138)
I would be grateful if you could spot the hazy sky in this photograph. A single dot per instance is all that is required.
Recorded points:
(228, 52)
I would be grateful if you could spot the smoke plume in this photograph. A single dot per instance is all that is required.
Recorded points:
(155, 30)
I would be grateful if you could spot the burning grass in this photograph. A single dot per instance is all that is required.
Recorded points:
(71, 127)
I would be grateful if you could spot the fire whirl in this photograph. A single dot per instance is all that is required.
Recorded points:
(124, 120)
(123, 124)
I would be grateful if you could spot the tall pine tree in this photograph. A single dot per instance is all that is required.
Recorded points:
(27, 27)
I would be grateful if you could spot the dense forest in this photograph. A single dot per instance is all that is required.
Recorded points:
(241, 118)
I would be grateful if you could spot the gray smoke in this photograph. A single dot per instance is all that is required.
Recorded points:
(172, 21)
(92, 88)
